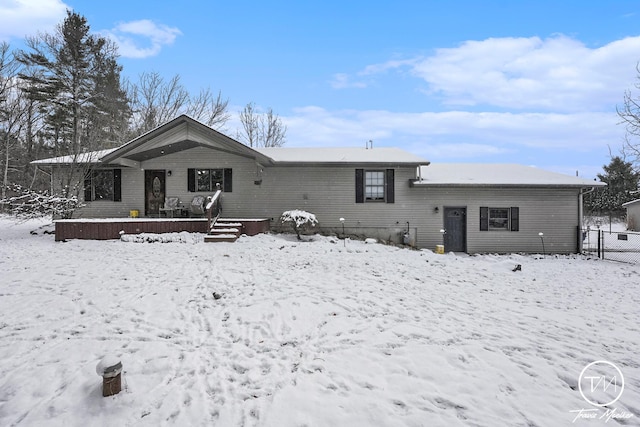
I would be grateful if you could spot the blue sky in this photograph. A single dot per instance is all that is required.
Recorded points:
(530, 82)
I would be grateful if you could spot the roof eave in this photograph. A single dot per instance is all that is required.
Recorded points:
(347, 163)
(418, 183)
(142, 139)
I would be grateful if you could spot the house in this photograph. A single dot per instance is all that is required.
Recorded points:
(633, 215)
(379, 192)
(502, 208)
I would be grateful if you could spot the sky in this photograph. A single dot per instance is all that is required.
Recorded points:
(528, 82)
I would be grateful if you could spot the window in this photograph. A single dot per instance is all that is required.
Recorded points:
(375, 186)
(507, 219)
(206, 180)
(102, 184)
(498, 218)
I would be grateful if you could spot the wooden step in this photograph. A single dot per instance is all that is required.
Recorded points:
(224, 232)
(214, 238)
(223, 223)
(220, 230)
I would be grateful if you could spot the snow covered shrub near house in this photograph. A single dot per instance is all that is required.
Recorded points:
(29, 204)
(301, 221)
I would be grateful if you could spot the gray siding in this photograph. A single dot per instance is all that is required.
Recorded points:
(552, 211)
(329, 193)
(633, 217)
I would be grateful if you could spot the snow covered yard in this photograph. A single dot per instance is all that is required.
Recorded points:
(269, 331)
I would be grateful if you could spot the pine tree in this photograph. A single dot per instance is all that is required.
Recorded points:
(622, 185)
(75, 77)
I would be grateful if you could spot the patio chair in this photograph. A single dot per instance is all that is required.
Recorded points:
(197, 206)
(170, 206)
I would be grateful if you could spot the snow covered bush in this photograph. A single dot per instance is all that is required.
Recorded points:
(300, 221)
(27, 204)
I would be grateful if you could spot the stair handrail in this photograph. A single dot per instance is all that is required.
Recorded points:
(214, 209)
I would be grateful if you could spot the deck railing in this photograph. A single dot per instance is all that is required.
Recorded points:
(214, 209)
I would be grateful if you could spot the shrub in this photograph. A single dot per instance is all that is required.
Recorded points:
(27, 204)
(300, 221)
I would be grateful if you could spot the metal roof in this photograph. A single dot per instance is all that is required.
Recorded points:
(344, 155)
(505, 174)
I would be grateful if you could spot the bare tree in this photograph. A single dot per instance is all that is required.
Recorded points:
(19, 122)
(209, 109)
(249, 120)
(11, 112)
(155, 101)
(261, 129)
(630, 115)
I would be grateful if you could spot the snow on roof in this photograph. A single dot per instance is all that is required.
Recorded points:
(340, 155)
(88, 157)
(632, 202)
(497, 174)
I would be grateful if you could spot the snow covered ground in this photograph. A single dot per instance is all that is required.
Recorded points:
(269, 331)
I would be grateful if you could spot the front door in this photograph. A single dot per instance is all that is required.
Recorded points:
(455, 226)
(154, 187)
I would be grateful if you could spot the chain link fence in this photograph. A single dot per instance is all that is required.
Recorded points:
(623, 246)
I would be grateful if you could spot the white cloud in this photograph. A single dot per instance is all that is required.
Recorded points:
(20, 18)
(364, 78)
(142, 38)
(343, 81)
(461, 151)
(558, 73)
(554, 74)
(458, 134)
(393, 64)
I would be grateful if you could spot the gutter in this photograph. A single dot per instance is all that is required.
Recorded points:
(581, 214)
(426, 184)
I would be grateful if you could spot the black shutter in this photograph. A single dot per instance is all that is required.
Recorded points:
(117, 185)
(228, 181)
(515, 219)
(191, 180)
(359, 185)
(87, 187)
(484, 219)
(391, 191)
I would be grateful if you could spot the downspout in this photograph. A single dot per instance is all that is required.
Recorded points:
(581, 215)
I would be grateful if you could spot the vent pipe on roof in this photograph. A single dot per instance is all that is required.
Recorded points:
(369, 144)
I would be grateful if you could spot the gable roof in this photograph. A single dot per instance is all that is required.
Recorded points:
(497, 174)
(183, 133)
(179, 134)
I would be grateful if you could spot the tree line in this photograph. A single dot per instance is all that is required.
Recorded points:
(64, 95)
(622, 180)
(622, 174)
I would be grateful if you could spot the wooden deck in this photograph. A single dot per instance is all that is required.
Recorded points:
(112, 228)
